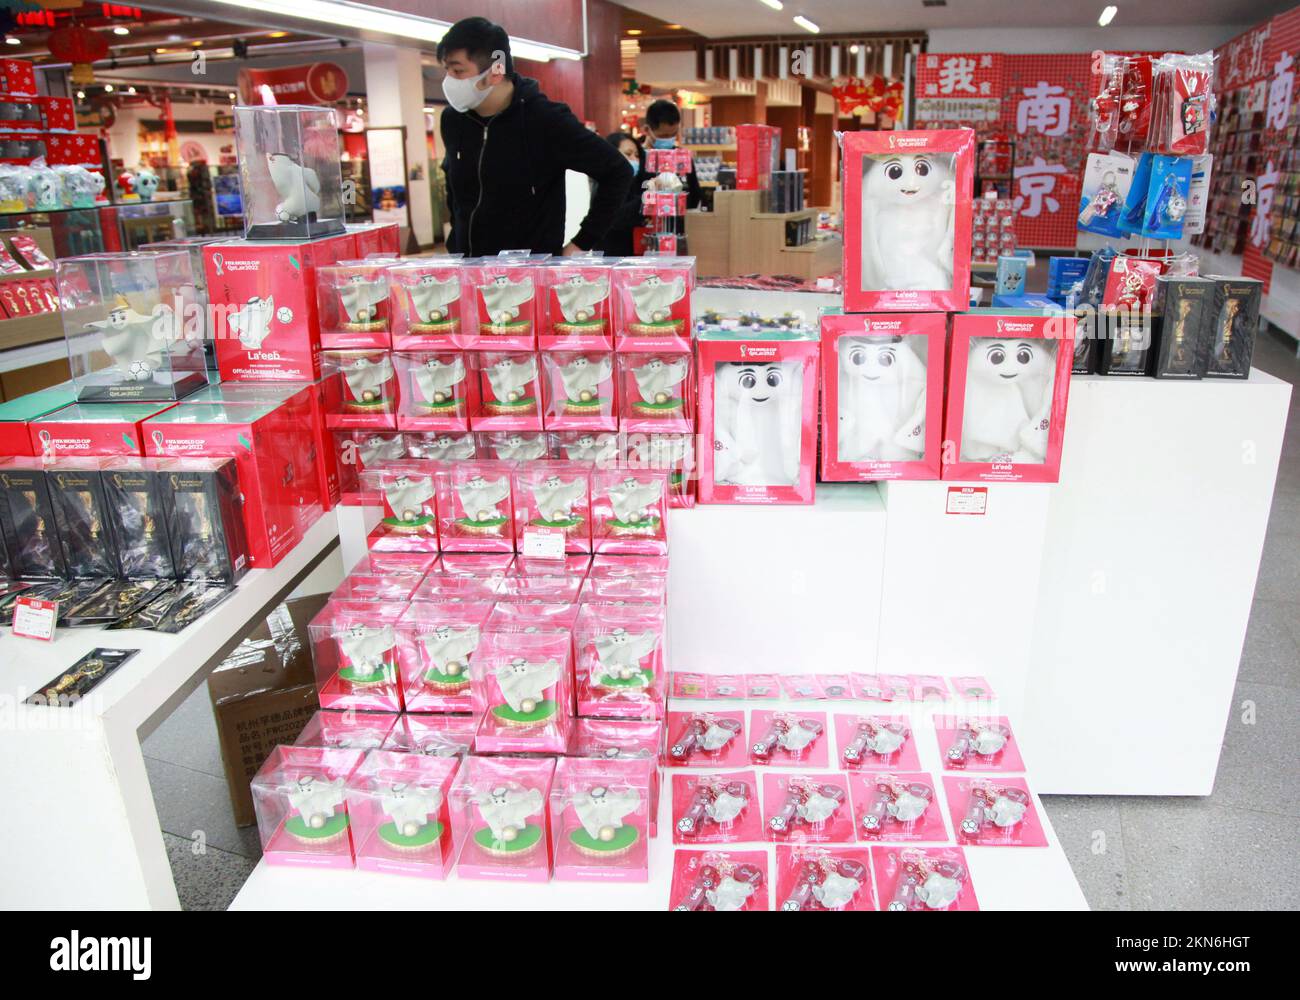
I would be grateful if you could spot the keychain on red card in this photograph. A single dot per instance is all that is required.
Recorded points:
(721, 885)
(900, 801)
(828, 881)
(993, 805)
(703, 732)
(806, 802)
(715, 802)
(925, 882)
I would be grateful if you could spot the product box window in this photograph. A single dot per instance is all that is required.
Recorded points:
(578, 308)
(650, 591)
(1008, 386)
(656, 393)
(409, 522)
(429, 307)
(352, 304)
(28, 523)
(600, 819)
(340, 730)
(503, 806)
(376, 238)
(758, 413)
(132, 329)
(509, 391)
(652, 304)
(622, 739)
(356, 451)
(1185, 308)
(355, 651)
(16, 414)
(475, 510)
(522, 686)
(629, 509)
(437, 649)
(436, 391)
(673, 453)
(94, 429)
(433, 735)
(622, 670)
(444, 446)
(514, 446)
(289, 171)
(1129, 345)
(359, 389)
(1236, 322)
(882, 396)
(502, 291)
(300, 796)
(400, 815)
(552, 505)
(601, 448)
(907, 220)
(578, 391)
(136, 493)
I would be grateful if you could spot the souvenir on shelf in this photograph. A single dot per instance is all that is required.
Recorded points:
(376, 586)
(672, 453)
(82, 188)
(502, 806)
(1008, 386)
(521, 686)
(509, 391)
(788, 739)
(622, 739)
(812, 878)
(360, 389)
(437, 391)
(136, 490)
(1183, 105)
(355, 653)
(126, 331)
(481, 565)
(400, 816)
(1236, 322)
(464, 592)
(808, 808)
(427, 310)
(352, 305)
(578, 310)
(907, 220)
(28, 523)
(444, 446)
(1107, 179)
(81, 517)
(1185, 307)
(356, 451)
(504, 292)
(629, 510)
(300, 797)
(290, 175)
(410, 511)
(622, 661)
(599, 448)
(978, 744)
(513, 446)
(652, 303)
(600, 819)
(716, 808)
(893, 806)
(719, 881)
(204, 519)
(578, 391)
(993, 811)
(433, 735)
(436, 653)
(650, 591)
(552, 505)
(343, 730)
(655, 393)
(475, 509)
(758, 415)
(1157, 198)
(867, 742)
(922, 878)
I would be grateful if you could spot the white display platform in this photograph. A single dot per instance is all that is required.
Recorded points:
(82, 830)
(1005, 878)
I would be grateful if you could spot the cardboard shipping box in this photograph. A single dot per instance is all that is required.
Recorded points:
(263, 694)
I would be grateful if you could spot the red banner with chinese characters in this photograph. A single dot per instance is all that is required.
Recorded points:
(960, 88)
(1274, 229)
(316, 83)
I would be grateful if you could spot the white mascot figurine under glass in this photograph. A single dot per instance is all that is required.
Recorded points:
(657, 378)
(315, 799)
(579, 297)
(431, 296)
(361, 297)
(601, 810)
(908, 222)
(653, 299)
(757, 422)
(129, 338)
(631, 499)
(601, 449)
(882, 401)
(503, 298)
(1010, 384)
(297, 187)
(510, 378)
(406, 496)
(449, 649)
(366, 649)
(436, 378)
(479, 497)
(582, 377)
(506, 810)
(523, 683)
(376, 448)
(555, 498)
(448, 448)
(366, 379)
(620, 654)
(409, 806)
(520, 447)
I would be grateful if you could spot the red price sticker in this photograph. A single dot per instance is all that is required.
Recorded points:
(34, 618)
(968, 499)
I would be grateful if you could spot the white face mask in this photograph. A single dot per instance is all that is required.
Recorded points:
(464, 95)
(634, 162)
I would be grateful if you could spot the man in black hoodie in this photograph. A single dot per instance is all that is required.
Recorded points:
(507, 148)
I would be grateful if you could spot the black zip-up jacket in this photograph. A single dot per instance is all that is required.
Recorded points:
(505, 176)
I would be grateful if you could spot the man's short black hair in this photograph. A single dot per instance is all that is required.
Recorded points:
(662, 112)
(479, 39)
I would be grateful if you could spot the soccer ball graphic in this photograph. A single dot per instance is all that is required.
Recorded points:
(139, 371)
(284, 314)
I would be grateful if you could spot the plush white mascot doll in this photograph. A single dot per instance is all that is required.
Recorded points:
(756, 423)
(882, 401)
(907, 222)
(1009, 387)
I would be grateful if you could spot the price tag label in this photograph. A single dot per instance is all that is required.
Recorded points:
(544, 543)
(968, 499)
(34, 618)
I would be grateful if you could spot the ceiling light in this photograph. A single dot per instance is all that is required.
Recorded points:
(673, 27)
(11, 40)
(634, 31)
(806, 24)
(278, 34)
(774, 4)
(130, 90)
(1107, 15)
(231, 95)
(853, 50)
(108, 88)
(81, 95)
(119, 30)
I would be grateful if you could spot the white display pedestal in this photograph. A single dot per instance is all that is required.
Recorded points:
(81, 829)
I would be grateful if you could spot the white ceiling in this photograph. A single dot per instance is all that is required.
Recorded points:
(726, 18)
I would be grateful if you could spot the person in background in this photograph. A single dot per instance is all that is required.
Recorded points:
(663, 125)
(618, 242)
(507, 148)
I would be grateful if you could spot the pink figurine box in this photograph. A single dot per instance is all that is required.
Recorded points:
(359, 389)
(433, 735)
(503, 807)
(521, 685)
(409, 522)
(578, 391)
(719, 881)
(514, 446)
(629, 509)
(869, 742)
(300, 798)
(352, 305)
(600, 819)
(475, 508)
(807, 808)
(503, 293)
(922, 878)
(652, 304)
(882, 396)
(577, 308)
(552, 503)
(892, 806)
(342, 730)
(1008, 387)
(656, 393)
(622, 739)
(508, 391)
(758, 416)
(674, 453)
(436, 651)
(355, 652)
(601, 448)
(427, 305)
(437, 391)
(401, 818)
(622, 668)
(907, 220)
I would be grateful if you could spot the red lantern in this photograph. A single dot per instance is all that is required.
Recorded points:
(80, 46)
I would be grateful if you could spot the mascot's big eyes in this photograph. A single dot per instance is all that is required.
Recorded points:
(922, 168)
(773, 379)
(885, 359)
(996, 356)
(1024, 355)
(858, 357)
(747, 381)
(894, 171)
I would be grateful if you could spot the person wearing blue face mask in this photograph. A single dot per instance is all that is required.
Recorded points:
(507, 149)
(663, 125)
(618, 242)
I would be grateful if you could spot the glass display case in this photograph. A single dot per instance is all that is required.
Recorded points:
(290, 176)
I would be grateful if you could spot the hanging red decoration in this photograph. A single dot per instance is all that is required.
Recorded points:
(79, 46)
(851, 95)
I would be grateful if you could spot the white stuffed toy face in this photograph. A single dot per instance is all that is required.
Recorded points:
(904, 180)
(757, 384)
(874, 361)
(1008, 360)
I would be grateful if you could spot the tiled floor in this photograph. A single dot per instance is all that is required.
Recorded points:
(1128, 853)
